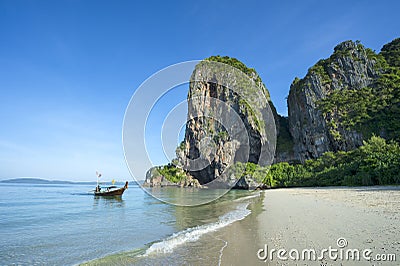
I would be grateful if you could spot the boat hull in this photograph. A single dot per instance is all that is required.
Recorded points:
(116, 192)
(111, 192)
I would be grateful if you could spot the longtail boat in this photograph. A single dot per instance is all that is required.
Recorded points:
(109, 191)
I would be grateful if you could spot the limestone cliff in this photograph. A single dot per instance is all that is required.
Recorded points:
(351, 67)
(341, 101)
(229, 120)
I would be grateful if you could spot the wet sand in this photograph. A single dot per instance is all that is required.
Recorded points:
(315, 218)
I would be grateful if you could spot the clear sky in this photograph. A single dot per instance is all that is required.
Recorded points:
(69, 68)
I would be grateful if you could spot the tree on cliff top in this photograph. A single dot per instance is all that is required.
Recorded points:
(251, 72)
(391, 52)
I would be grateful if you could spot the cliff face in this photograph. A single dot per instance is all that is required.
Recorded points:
(341, 101)
(229, 120)
(284, 142)
(351, 67)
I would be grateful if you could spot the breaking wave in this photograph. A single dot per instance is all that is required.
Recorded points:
(193, 234)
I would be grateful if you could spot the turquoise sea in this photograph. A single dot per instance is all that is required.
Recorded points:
(63, 224)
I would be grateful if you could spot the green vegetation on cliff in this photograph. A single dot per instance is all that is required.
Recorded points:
(391, 52)
(320, 68)
(172, 173)
(377, 162)
(374, 109)
(284, 141)
(250, 105)
(251, 72)
(369, 110)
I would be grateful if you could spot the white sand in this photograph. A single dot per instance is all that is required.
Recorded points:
(299, 218)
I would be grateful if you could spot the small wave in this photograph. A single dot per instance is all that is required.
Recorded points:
(90, 193)
(194, 233)
(248, 197)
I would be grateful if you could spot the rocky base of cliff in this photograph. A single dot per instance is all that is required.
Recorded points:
(248, 183)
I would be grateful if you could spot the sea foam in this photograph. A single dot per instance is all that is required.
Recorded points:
(193, 234)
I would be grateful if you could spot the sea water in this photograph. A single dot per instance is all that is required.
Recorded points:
(65, 224)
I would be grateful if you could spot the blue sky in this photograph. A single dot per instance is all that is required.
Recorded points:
(69, 68)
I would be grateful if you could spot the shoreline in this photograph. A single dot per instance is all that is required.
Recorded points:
(288, 218)
(190, 243)
(316, 218)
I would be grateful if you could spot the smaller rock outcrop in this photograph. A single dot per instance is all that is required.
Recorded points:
(248, 183)
(155, 179)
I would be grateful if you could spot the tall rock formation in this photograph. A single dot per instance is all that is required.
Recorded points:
(350, 67)
(229, 120)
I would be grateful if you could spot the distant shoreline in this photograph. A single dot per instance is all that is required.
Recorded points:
(52, 182)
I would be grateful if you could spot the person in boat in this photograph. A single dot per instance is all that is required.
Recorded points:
(98, 188)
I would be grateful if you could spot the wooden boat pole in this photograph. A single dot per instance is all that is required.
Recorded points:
(98, 176)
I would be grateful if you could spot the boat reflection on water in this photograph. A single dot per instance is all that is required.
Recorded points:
(108, 201)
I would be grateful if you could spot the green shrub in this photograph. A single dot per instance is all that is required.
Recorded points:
(377, 162)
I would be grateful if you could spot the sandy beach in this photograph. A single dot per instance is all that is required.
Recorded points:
(363, 218)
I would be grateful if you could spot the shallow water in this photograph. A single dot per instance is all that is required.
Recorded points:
(65, 225)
